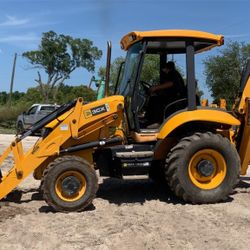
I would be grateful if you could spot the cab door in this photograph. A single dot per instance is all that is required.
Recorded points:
(126, 86)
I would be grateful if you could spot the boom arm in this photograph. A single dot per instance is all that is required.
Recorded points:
(74, 125)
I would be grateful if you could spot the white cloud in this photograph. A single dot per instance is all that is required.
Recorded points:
(19, 38)
(13, 21)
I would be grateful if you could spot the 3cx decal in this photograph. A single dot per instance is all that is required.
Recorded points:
(96, 110)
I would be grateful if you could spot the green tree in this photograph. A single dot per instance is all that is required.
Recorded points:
(67, 93)
(114, 69)
(223, 71)
(3, 97)
(32, 96)
(16, 96)
(59, 56)
(151, 69)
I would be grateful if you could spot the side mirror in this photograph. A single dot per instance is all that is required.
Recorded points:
(24, 113)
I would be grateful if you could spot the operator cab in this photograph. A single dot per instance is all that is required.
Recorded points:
(147, 54)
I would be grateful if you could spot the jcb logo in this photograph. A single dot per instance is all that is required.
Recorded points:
(87, 113)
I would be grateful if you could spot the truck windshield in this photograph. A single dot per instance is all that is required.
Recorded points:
(125, 85)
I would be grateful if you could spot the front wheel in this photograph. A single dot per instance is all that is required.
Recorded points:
(203, 168)
(69, 184)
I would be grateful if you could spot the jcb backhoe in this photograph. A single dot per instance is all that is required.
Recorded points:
(199, 151)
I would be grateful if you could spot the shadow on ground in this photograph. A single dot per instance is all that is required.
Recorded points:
(138, 191)
(243, 185)
(120, 192)
(135, 191)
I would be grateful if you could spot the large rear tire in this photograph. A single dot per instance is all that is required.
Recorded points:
(203, 168)
(69, 183)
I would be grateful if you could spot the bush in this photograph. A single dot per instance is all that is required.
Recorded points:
(8, 115)
(22, 101)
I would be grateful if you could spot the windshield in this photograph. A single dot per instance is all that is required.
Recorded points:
(125, 85)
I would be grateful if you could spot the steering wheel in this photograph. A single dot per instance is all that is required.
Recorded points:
(143, 94)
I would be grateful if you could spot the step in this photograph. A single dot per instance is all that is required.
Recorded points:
(134, 154)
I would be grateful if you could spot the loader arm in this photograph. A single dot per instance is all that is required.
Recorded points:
(98, 122)
(243, 110)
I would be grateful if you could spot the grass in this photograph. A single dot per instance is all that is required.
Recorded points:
(8, 127)
(7, 130)
(8, 117)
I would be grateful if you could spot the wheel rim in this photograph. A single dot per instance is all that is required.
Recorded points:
(70, 186)
(207, 169)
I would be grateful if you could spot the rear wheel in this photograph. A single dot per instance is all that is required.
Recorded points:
(69, 184)
(203, 168)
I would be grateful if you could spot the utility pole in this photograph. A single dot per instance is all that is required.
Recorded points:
(12, 78)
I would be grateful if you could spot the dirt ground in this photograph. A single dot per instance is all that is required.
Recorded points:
(128, 214)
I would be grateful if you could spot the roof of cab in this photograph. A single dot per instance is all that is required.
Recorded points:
(135, 36)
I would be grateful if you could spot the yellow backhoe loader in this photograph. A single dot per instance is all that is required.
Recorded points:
(199, 151)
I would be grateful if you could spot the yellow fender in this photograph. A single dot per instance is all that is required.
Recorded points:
(208, 115)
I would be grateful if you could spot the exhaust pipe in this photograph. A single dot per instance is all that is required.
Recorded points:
(109, 46)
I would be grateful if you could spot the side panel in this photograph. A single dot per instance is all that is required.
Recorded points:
(216, 116)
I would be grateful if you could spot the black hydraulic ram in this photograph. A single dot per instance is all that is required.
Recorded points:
(91, 145)
(47, 119)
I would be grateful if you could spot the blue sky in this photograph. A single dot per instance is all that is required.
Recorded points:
(23, 21)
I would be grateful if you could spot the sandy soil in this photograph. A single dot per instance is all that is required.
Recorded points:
(130, 214)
